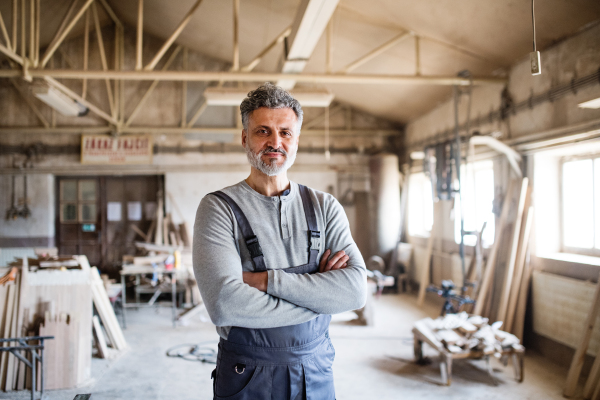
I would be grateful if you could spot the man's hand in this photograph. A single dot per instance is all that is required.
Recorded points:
(338, 261)
(258, 280)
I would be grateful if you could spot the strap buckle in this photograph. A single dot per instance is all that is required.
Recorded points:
(254, 247)
(314, 240)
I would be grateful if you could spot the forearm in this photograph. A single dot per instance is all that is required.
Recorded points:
(234, 303)
(218, 270)
(330, 292)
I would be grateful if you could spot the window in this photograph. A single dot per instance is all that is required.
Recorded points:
(478, 197)
(77, 201)
(581, 205)
(420, 205)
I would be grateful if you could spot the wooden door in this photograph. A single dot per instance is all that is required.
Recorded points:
(128, 201)
(79, 227)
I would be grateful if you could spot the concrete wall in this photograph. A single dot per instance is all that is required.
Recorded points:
(38, 229)
(577, 56)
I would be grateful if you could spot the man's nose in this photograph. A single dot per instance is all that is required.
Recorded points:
(274, 141)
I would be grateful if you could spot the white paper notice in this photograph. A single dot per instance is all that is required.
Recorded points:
(113, 211)
(134, 210)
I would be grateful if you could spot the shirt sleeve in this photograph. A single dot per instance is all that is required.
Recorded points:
(330, 292)
(218, 270)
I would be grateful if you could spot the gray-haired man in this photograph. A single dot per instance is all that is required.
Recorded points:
(256, 259)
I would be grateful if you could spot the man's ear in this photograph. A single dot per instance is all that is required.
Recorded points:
(244, 137)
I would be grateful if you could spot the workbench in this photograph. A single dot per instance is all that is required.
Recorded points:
(423, 333)
(138, 271)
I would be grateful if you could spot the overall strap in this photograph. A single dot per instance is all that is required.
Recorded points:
(247, 232)
(314, 235)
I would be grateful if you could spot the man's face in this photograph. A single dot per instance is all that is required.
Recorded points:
(271, 141)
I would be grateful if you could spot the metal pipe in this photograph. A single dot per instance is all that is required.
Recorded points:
(5, 33)
(203, 76)
(176, 130)
(140, 34)
(236, 33)
(103, 59)
(86, 50)
(9, 53)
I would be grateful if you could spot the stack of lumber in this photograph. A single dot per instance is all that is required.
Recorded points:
(56, 302)
(460, 333)
(163, 230)
(501, 293)
(13, 292)
(62, 353)
(104, 308)
(47, 262)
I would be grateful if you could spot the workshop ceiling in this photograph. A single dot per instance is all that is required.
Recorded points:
(484, 37)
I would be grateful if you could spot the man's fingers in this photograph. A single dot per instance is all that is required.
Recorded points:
(334, 260)
(342, 263)
(323, 261)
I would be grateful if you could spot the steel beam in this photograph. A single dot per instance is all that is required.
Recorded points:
(176, 130)
(375, 52)
(173, 37)
(64, 34)
(204, 76)
(140, 35)
(78, 98)
(252, 64)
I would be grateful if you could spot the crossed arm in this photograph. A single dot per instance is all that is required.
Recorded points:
(260, 280)
(231, 296)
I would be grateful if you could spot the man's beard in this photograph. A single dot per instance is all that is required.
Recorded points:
(255, 160)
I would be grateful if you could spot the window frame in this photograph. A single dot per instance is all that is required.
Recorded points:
(489, 164)
(594, 252)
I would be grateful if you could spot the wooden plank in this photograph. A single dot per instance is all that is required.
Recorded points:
(593, 379)
(510, 271)
(484, 289)
(106, 311)
(99, 337)
(518, 281)
(10, 363)
(578, 358)
(158, 237)
(6, 334)
(183, 232)
(425, 272)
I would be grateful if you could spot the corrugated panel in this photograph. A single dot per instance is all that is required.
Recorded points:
(8, 254)
(560, 308)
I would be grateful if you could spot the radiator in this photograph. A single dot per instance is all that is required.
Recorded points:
(560, 308)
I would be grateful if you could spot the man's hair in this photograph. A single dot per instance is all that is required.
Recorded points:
(269, 96)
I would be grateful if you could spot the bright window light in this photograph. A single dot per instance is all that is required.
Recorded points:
(420, 205)
(578, 203)
(478, 197)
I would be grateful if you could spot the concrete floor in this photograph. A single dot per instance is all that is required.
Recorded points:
(371, 363)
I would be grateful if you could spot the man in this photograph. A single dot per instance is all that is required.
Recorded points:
(256, 259)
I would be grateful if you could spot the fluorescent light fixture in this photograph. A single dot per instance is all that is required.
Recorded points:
(595, 103)
(59, 101)
(234, 97)
(417, 155)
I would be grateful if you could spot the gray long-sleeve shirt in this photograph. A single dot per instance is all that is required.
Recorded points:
(220, 256)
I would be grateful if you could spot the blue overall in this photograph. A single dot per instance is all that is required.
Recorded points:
(290, 362)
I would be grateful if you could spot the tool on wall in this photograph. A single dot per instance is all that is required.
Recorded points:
(13, 211)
